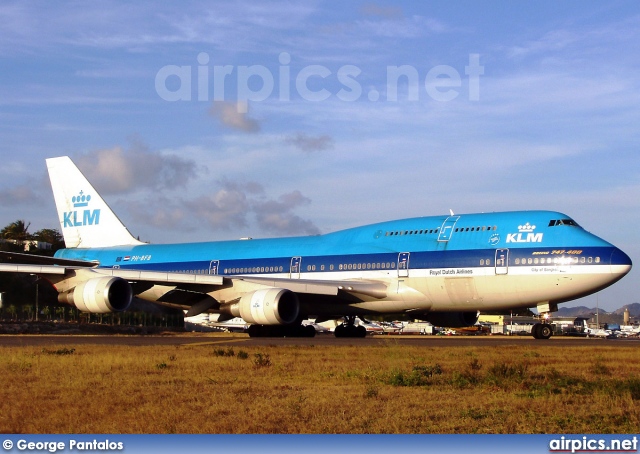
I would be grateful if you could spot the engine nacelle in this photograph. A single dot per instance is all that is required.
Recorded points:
(452, 319)
(100, 295)
(271, 306)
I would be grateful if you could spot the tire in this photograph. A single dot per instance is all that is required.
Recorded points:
(545, 331)
(360, 331)
(535, 331)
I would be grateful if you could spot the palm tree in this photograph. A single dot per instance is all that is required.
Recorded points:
(28, 310)
(17, 230)
(12, 310)
(60, 312)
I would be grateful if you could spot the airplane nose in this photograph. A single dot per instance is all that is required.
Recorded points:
(620, 262)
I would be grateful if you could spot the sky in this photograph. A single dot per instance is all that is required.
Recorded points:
(213, 120)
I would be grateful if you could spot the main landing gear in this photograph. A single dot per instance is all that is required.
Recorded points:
(349, 329)
(281, 331)
(542, 331)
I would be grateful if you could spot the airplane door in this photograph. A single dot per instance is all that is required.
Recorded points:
(295, 267)
(447, 228)
(403, 264)
(502, 261)
(213, 266)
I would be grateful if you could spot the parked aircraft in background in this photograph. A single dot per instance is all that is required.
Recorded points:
(597, 332)
(316, 326)
(443, 269)
(234, 325)
(629, 331)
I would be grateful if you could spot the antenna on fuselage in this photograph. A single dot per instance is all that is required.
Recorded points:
(451, 211)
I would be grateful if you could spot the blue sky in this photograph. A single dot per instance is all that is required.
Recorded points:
(325, 136)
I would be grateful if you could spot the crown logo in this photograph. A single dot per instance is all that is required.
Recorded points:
(527, 228)
(80, 200)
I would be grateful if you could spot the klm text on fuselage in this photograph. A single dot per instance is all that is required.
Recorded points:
(528, 238)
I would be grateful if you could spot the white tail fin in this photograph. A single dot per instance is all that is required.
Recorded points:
(85, 218)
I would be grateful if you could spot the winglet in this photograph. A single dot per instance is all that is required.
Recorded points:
(85, 218)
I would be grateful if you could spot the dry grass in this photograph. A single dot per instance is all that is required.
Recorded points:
(359, 389)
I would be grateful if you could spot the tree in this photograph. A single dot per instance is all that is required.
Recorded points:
(27, 311)
(51, 236)
(17, 230)
(13, 311)
(60, 313)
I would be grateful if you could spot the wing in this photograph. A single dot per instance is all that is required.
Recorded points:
(192, 292)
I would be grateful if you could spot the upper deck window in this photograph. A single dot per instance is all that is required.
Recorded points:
(556, 222)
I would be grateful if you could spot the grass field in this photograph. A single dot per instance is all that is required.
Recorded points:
(319, 389)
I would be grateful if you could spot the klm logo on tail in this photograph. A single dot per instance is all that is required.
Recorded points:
(525, 235)
(81, 217)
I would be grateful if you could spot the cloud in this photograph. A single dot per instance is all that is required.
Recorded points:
(308, 143)
(158, 211)
(118, 170)
(234, 115)
(132, 27)
(225, 209)
(553, 41)
(231, 206)
(373, 9)
(276, 216)
(20, 196)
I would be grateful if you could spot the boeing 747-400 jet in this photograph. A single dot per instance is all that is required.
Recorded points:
(443, 269)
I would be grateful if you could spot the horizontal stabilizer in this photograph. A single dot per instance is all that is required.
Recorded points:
(32, 269)
(11, 257)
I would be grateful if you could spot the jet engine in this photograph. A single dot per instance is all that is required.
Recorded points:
(100, 295)
(452, 319)
(272, 306)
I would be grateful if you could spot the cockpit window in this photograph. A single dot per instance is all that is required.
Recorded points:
(556, 222)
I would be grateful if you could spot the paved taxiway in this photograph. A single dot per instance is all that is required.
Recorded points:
(222, 340)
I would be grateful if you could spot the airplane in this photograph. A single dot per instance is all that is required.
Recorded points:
(442, 269)
(599, 332)
(369, 326)
(233, 325)
(596, 332)
(629, 331)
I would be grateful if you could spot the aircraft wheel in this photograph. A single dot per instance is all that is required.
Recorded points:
(340, 331)
(254, 331)
(535, 330)
(309, 331)
(545, 331)
(360, 331)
